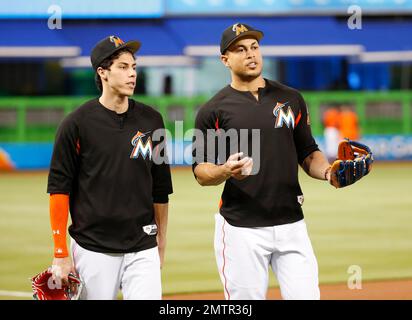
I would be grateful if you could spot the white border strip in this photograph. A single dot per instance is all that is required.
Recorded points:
(37, 52)
(202, 51)
(142, 61)
(149, 61)
(385, 56)
(16, 294)
(73, 60)
(312, 50)
(285, 51)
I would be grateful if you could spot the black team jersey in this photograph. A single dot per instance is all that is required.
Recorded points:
(104, 161)
(273, 195)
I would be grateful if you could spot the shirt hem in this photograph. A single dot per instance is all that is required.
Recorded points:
(269, 223)
(114, 251)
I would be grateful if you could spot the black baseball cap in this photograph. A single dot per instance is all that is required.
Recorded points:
(109, 45)
(236, 31)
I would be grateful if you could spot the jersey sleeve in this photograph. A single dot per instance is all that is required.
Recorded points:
(65, 157)
(161, 177)
(304, 142)
(206, 124)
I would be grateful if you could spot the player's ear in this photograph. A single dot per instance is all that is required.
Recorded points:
(225, 60)
(102, 73)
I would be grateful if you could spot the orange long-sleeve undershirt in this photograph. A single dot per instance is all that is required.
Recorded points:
(59, 214)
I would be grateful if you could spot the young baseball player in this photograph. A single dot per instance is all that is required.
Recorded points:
(260, 221)
(103, 171)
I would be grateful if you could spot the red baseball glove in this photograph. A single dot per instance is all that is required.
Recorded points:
(45, 288)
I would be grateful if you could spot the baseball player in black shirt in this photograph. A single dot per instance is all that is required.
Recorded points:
(103, 171)
(260, 222)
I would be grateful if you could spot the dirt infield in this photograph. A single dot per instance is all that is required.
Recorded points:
(376, 290)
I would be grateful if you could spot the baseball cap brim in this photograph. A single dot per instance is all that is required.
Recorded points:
(252, 33)
(133, 45)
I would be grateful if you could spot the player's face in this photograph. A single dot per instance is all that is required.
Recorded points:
(122, 74)
(244, 58)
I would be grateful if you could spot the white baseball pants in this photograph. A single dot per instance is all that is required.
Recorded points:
(243, 257)
(137, 274)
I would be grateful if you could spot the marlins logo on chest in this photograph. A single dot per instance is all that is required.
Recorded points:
(285, 117)
(140, 147)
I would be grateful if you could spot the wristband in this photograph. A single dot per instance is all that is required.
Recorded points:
(326, 173)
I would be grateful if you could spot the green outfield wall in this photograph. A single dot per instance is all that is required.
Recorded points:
(35, 119)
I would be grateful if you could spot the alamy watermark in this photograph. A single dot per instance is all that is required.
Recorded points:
(355, 278)
(355, 20)
(197, 146)
(55, 18)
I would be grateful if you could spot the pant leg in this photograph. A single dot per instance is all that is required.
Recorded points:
(100, 272)
(141, 276)
(294, 263)
(242, 256)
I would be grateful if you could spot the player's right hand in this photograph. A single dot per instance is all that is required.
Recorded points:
(61, 267)
(238, 167)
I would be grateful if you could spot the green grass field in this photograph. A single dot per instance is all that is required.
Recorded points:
(368, 224)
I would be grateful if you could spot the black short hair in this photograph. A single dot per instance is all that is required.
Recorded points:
(106, 64)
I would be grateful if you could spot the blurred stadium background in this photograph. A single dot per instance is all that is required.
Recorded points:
(311, 45)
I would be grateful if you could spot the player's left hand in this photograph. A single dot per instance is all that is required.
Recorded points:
(353, 163)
